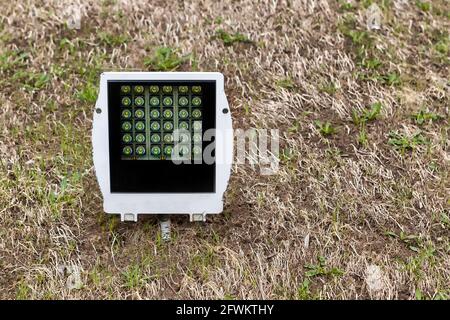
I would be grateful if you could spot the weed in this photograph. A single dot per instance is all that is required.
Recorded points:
(445, 219)
(286, 155)
(11, 60)
(325, 129)
(425, 116)
(23, 291)
(412, 241)
(230, 39)
(402, 142)
(31, 81)
(329, 88)
(66, 44)
(247, 109)
(112, 39)
(441, 45)
(371, 63)
(165, 59)
(304, 291)
(423, 5)
(391, 79)
(321, 269)
(362, 137)
(201, 261)
(418, 294)
(134, 277)
(88, 93)
(295, 127)
(286, 83)
(442, 295)
(361, 118)
(367, 115)
(425, 255)
(346, 6)
(359, 38)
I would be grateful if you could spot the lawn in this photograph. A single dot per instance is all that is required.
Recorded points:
(360, 206)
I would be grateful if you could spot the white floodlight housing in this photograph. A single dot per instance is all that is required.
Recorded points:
(136, 118)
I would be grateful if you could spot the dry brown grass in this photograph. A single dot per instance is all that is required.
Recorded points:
(378, 219)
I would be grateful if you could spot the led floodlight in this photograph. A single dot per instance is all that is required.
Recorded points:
(152, 144)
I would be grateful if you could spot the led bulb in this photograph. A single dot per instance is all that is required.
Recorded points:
(127, 150)
(183, 89)
(184, 137)
(126, 114)
(155, 150)
(126, 101)
(140, 150)
(196, 114)
(154, 113)
(139, 125)
(168, 138)
(197, 125)
(197, 150)
(168, 150)
(167, 101)
(168, 114)
(183, 113)
(154, 89)
(183, 125)
(139, 89)
(127, 138)
(155, 138)
(126, 126)
(155, 126)
(139, 113)
(168, 126)
(139, 101)
(183, 101)
(154, 101)
(125, 89)
(140, 138)
(196, 101)
(197, 137)
(196, 89)
(167, 89)
(184, 150)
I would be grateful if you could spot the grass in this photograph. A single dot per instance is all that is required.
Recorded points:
(23, 291)
(88, 93)
(362, 118)
(402, 142)
(286, 83)
(325, 128)
(330, 88)
(321, 269)
(112, 39)
(371, 114)
(424, 116)
(165, 59)
(134, 277)
(425, 6)
(390, 79)
(230, 39)
(410, 240)
(383, 205)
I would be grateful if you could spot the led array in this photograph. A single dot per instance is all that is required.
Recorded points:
(151, 113)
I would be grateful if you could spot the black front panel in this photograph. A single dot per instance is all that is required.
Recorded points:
(143, 116)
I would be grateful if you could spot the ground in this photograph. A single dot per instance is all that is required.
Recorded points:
(358, 209)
